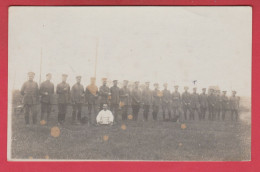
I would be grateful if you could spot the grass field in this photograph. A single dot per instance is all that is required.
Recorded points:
(200, 140)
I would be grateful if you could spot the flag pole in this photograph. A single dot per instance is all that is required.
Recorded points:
(95, 70)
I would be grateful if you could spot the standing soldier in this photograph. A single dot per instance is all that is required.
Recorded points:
(30, 92)
(203, 104)
(91, 94)
(176, 101)
(104, 93)
(77, 99)
(147, 100)
(211, 104)
(114, 90)
(218, 104)
(195, 105)
(157, 94)
(166, 101)
(124, 94)
(136, 100)
(46, 92)
(234, 105)
(224, 104)
(63, 91)
(186, 100)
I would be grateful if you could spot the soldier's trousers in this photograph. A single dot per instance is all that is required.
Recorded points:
(223, 111)
(193, 111)
(45, 108)
(166, 107)
(218, 110)
(124, 112)
(62, 107)
(136, 109)
(146, 112)
(30, 108)
(90, 107)
(176, 110)
(202, 113)
(114, 110)
(211, 113)
(76, 111)
(185, 110)
(234, 112)
(155, 111)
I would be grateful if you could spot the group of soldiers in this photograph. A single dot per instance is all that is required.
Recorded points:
(173, 104)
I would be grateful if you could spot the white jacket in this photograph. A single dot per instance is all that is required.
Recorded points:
(105, 117)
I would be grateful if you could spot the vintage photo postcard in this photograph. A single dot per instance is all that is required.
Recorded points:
(128, 83)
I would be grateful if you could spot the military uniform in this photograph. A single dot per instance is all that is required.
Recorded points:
(176, 103)
(114, 90)
(46, 92)
(203, 99)
(63, 92)
(147, 98)
(30, 92)
(91, 94)
(104, 94)
(136, 100)
(156, 103)
(124, 95)
(211, 105)
(166, 103)
(186, 100)
(218, 106)
(195, 105)
(77, 99)
(234, 106)
(224, 106)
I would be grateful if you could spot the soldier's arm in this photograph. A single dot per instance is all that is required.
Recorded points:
(52, 89)
(23, 89)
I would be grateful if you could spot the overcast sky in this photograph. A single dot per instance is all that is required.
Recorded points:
(158, 44)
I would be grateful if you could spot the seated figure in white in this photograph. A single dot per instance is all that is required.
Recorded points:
(105, 116)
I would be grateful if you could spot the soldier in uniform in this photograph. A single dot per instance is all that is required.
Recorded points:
(46, 92)
(176, 101)
(104, 93)
(156, 100)
(146, 100)
(211, 104)
(136, 100)
(91, 94)
(114, 90)
(218, 104)
(234, 105)
(30, 92)
(124, 95)
(166, 101)
(186, 100)
(224, 104)
(195, 105)
(203, 104)
(77, 100)
(63, 92)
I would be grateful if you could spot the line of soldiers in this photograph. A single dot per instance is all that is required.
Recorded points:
(123, 98)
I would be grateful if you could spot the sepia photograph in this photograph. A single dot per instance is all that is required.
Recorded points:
(132, 83)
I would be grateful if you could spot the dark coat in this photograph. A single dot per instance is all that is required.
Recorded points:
(30, 92)
(91, 98)
(186, 99)
(224, 102)
(156, 98)
(234, 102)
(77, 94)
(176, 99)
(212, 100)
(194, 100)
(124, 95)
(166, 98)
(203, 100)
(63, 91)
(47, 87)
(136, 96)
(114, 95)
(147, 97)
(104, 93)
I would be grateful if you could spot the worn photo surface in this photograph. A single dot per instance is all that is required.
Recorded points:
(139, 83)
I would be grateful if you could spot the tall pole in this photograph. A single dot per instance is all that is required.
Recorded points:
(95, 70)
